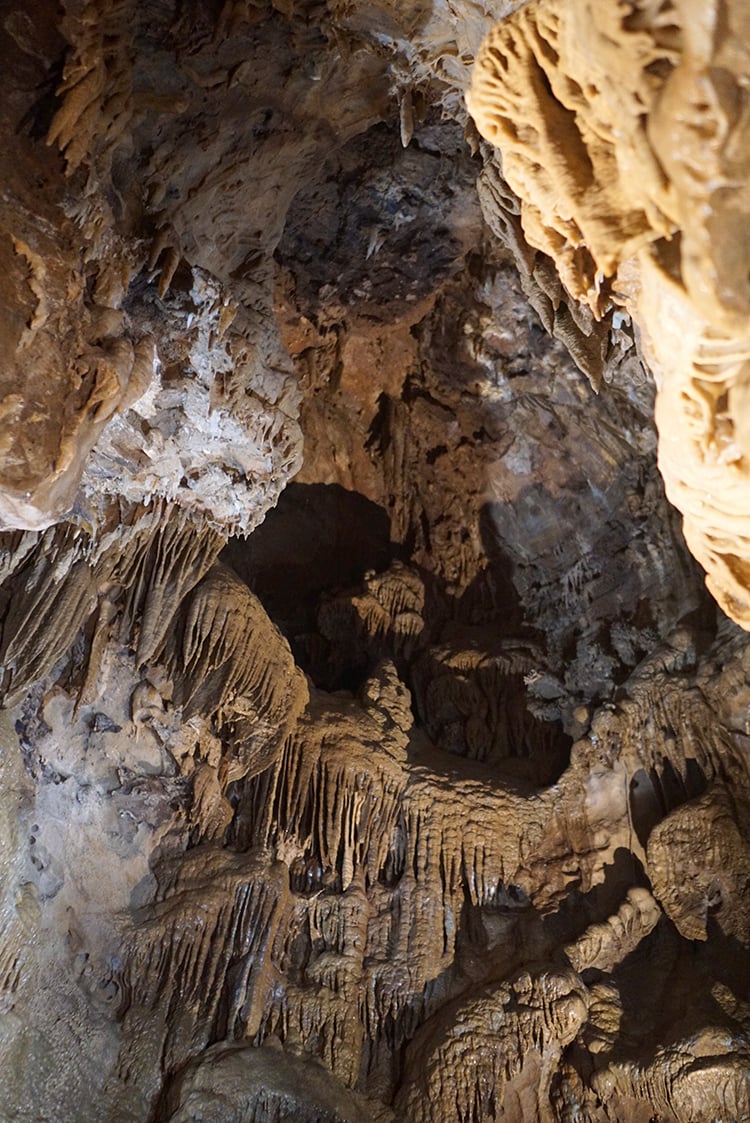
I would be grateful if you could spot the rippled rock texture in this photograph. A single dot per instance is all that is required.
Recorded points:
(370, 748)
(625, 130)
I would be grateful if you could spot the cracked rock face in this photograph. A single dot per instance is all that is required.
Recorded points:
(370, 747)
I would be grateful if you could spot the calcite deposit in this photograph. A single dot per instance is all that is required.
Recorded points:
(624, 128)
(370, 746)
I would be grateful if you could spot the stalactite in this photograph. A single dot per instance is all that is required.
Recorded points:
(441, 814)
(96, 89)
(230, 659)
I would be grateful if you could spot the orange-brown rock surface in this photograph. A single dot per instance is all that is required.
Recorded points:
(370, 748)
(625, 130)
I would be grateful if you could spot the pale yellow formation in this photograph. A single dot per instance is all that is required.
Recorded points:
(625, 130)
(96, 89)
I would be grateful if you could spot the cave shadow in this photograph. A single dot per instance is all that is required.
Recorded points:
(725, 958)
(594, 609)
(492, 597)
(666, 987)
(656, 792)
(323, 540)
(579, 909)
(493, 943)
(319, 538)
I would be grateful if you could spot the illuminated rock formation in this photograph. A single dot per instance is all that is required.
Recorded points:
(625, 130)
(369, 746)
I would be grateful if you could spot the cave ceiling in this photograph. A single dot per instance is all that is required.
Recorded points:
(375, 561)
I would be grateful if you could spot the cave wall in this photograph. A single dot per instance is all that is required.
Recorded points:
(370, 746)
(624, 130)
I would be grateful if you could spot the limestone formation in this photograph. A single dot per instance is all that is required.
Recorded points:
(702, 839)
(370, 748)
(625, 130)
